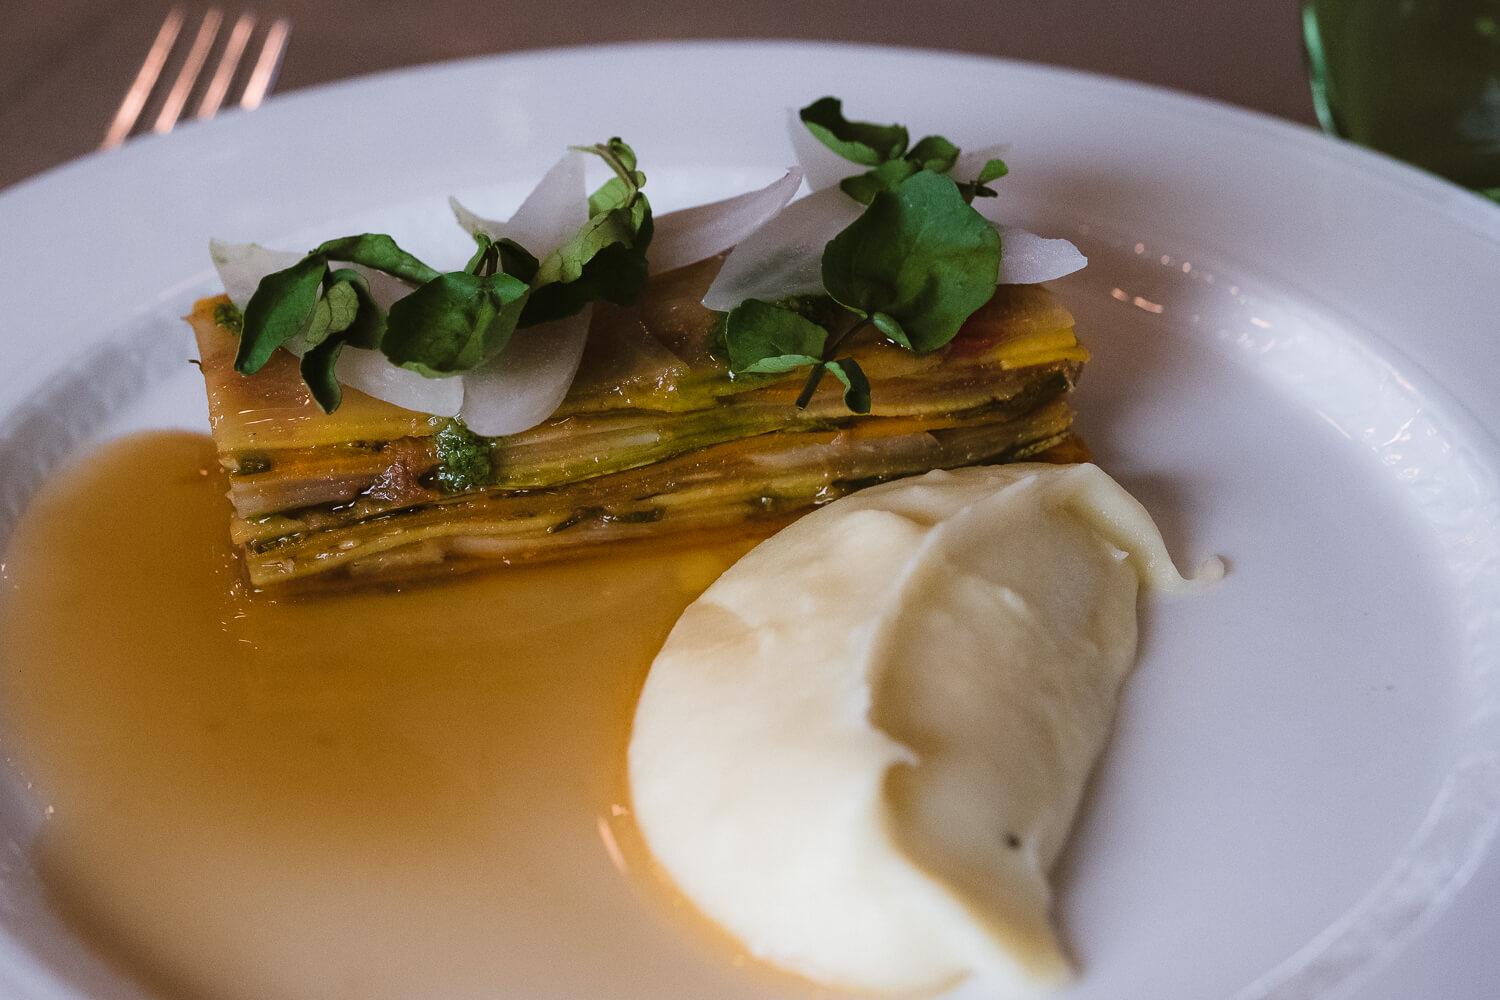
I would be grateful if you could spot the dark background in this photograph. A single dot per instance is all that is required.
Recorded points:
(65, 64)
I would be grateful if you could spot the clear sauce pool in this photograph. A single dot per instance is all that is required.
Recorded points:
(381, 794)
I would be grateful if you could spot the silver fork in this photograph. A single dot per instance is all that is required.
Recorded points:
(262, 76)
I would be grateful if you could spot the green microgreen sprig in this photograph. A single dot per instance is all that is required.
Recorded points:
(915, 265)
(451, 322)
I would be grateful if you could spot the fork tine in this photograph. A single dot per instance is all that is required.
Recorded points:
(191, 67)
(263, 77)
(145, 79)
(223, 76)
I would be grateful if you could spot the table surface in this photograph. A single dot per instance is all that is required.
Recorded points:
(66, 64)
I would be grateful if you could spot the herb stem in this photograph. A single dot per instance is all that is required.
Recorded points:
(488, 261)
(627, 176)
(838, 338)
(815, 376)
(811, 385)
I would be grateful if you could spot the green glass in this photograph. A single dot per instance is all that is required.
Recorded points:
(1417, 79)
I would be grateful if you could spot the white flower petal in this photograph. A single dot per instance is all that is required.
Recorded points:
(524, 384)
(370, 372)
(384, 289)
(693, 234)
(822, 167)
(473, 223)
(555, 210)
(242, 265)
(551, 214)
(785, 256)
(1028, 259)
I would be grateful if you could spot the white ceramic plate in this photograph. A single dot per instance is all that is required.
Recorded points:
(1296, 367)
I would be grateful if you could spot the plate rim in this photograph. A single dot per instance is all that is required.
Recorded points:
(1458, 207)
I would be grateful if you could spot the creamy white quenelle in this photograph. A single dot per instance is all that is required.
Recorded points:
(861, 750)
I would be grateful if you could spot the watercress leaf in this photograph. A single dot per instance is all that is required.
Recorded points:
(919, 254)
(780, 363)
(612, 194)
(368, 324)
(482, 249)
(818, 308)
(516, 260)
(616, 227)
(992, 170)
(606, 259)
(278, 311)
(453, 322)
(979, 187)
(891, 327)
(317, 372)
(856, 386)
(378, 251)
(623, 188)
(886, 177)
(864, 143)
(343, 305)
(617, 153)
(614, 274)
(765, 337)
(346, 314)
(621, 152)
(933, 153)
(315, 329)
(504, 254)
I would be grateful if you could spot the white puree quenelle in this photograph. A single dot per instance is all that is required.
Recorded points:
(861, 750)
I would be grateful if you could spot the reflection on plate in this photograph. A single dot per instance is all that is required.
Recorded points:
(1292, 369)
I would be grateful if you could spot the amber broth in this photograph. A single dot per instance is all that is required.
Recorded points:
(376, 794)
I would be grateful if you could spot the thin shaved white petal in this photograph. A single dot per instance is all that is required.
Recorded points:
(822, 167)
(370, 372)
(473, 223)
(1027, 259)
(384, 289)
(554, 210)
(697, 233)
(242, 265)
(785, 256)
(524, 384)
